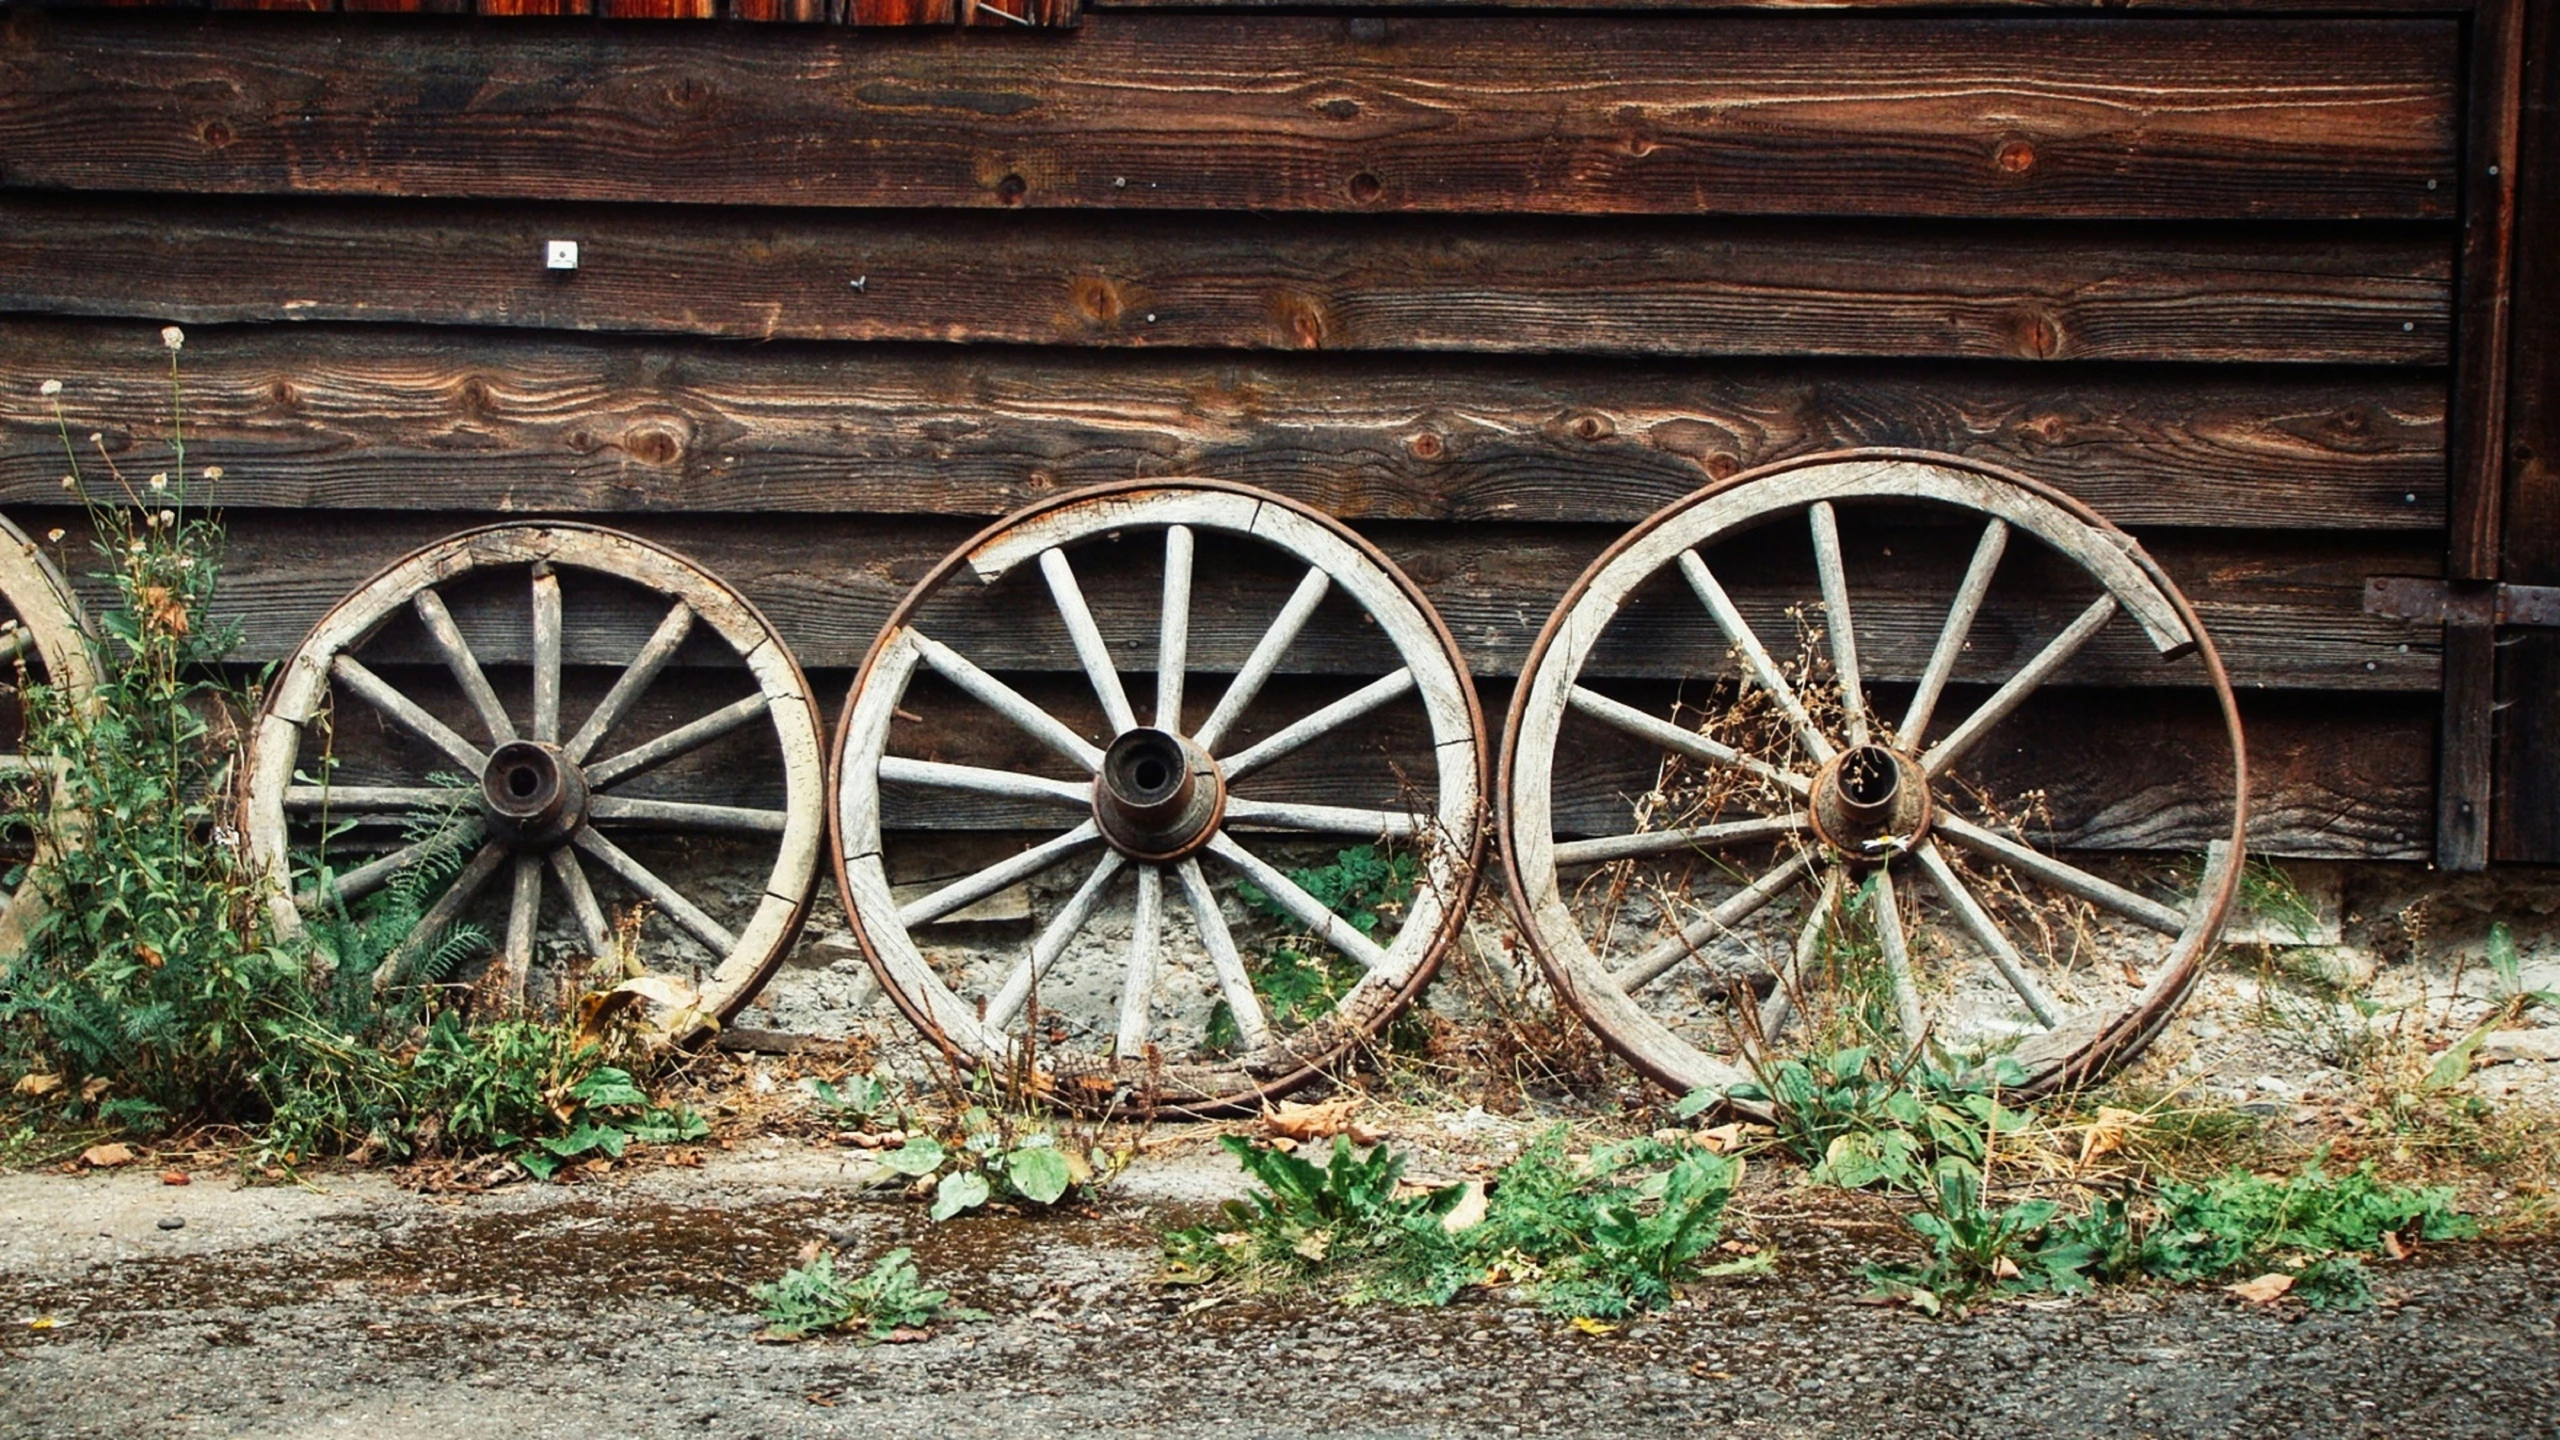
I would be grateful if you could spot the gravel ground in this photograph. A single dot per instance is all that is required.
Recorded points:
(618, 1308)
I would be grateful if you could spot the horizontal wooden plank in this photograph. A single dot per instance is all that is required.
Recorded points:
(1728, 114)
(2287, 611)
(393, 419)
(2059, 292)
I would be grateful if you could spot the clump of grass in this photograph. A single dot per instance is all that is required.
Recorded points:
(1606, 1234)
(814, 1297)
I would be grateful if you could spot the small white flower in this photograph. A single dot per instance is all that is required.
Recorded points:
(135, 548)
(213, 472)
(226, 837)
(160, 481)
(168, 517)
(97, 437)
(54, 536)
(70, 482)
(173, 337)
(50, 387)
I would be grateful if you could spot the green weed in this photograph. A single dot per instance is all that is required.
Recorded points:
(812, 1298)
(1861, 1124)
(1297, 978)
(989, 1156)
(1604, 1235)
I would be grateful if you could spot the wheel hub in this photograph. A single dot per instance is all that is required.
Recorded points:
(1871, 802)
(1159, 797)
(533, 796)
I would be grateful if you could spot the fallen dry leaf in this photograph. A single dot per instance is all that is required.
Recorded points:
(1720, 1139)
(2392, 1247)
(2004, 1268)
(106, 1157)
(1321, 1121)
(37, 1084)
(2107, 1133)
(1589, 1326)
(176, 1177)
(2265, 1290)
(1469, 1212)
(906, 1335)
(93, 1089)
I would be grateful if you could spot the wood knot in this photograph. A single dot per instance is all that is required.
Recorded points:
(2048, 428)
(1303, 321)
(1364, 187)
(475, 394)
(653, 445)
(1593, 427)
(2016, 157)
(215, 134)
(1010, 189)
(1427, 446)
(1097, 299)
(1367, 30)
(2353, 421)
(1338, 109)
(283, 393)
(1039, 481)
(1723, 466)
(689, 92)
(2036, 334)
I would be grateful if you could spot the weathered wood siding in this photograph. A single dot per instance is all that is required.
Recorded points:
(1492, 285)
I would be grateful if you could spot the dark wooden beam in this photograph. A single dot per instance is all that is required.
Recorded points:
(2331, 294)
(383, 418)
(1805, 113)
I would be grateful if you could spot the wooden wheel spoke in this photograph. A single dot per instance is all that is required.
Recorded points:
(375, 873)
(970, 889)
(1977, 923)
(1235, 984)
(1006, 701)
(687, 915)
(524, 914)
(1896, 946)
(1834, 579)
(1302, 907)
(1653, 964)
(2057, 652)
(1665, 842)
(1086, 636)
(582, 902)
(681, 815)
(406, 713)
(15, 640)
(633, 682)
(1173, 642)
(683, 740)
(1775, 1011)
(440, 916)
(1137, 986)
(2068, 878)
(546, 656)
(1320, 819)
(1622, 716)
(1961, 613)
(1073, 794)
(464, 665)
(1755, 656)
(1052, 942)
(1265, 658)
(1313, 726)
(398, 800)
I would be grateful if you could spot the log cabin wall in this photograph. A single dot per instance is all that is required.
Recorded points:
(1491, 284)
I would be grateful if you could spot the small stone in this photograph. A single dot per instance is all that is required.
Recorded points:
(173, 1222)
(2513, 1046)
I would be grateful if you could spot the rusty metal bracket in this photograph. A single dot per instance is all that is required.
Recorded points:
(2471, 604)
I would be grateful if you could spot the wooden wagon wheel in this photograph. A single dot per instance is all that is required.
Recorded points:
(1134, 1009)
(43, 640)
(1810, 855)
(586, 778)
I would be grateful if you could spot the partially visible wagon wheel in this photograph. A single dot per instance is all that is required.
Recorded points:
(43, 641)
(1294, 698)
(1744, 816)
(523, 731)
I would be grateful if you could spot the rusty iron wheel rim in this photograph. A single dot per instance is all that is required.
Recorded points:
(1104, 1079)
(2095, 1047)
